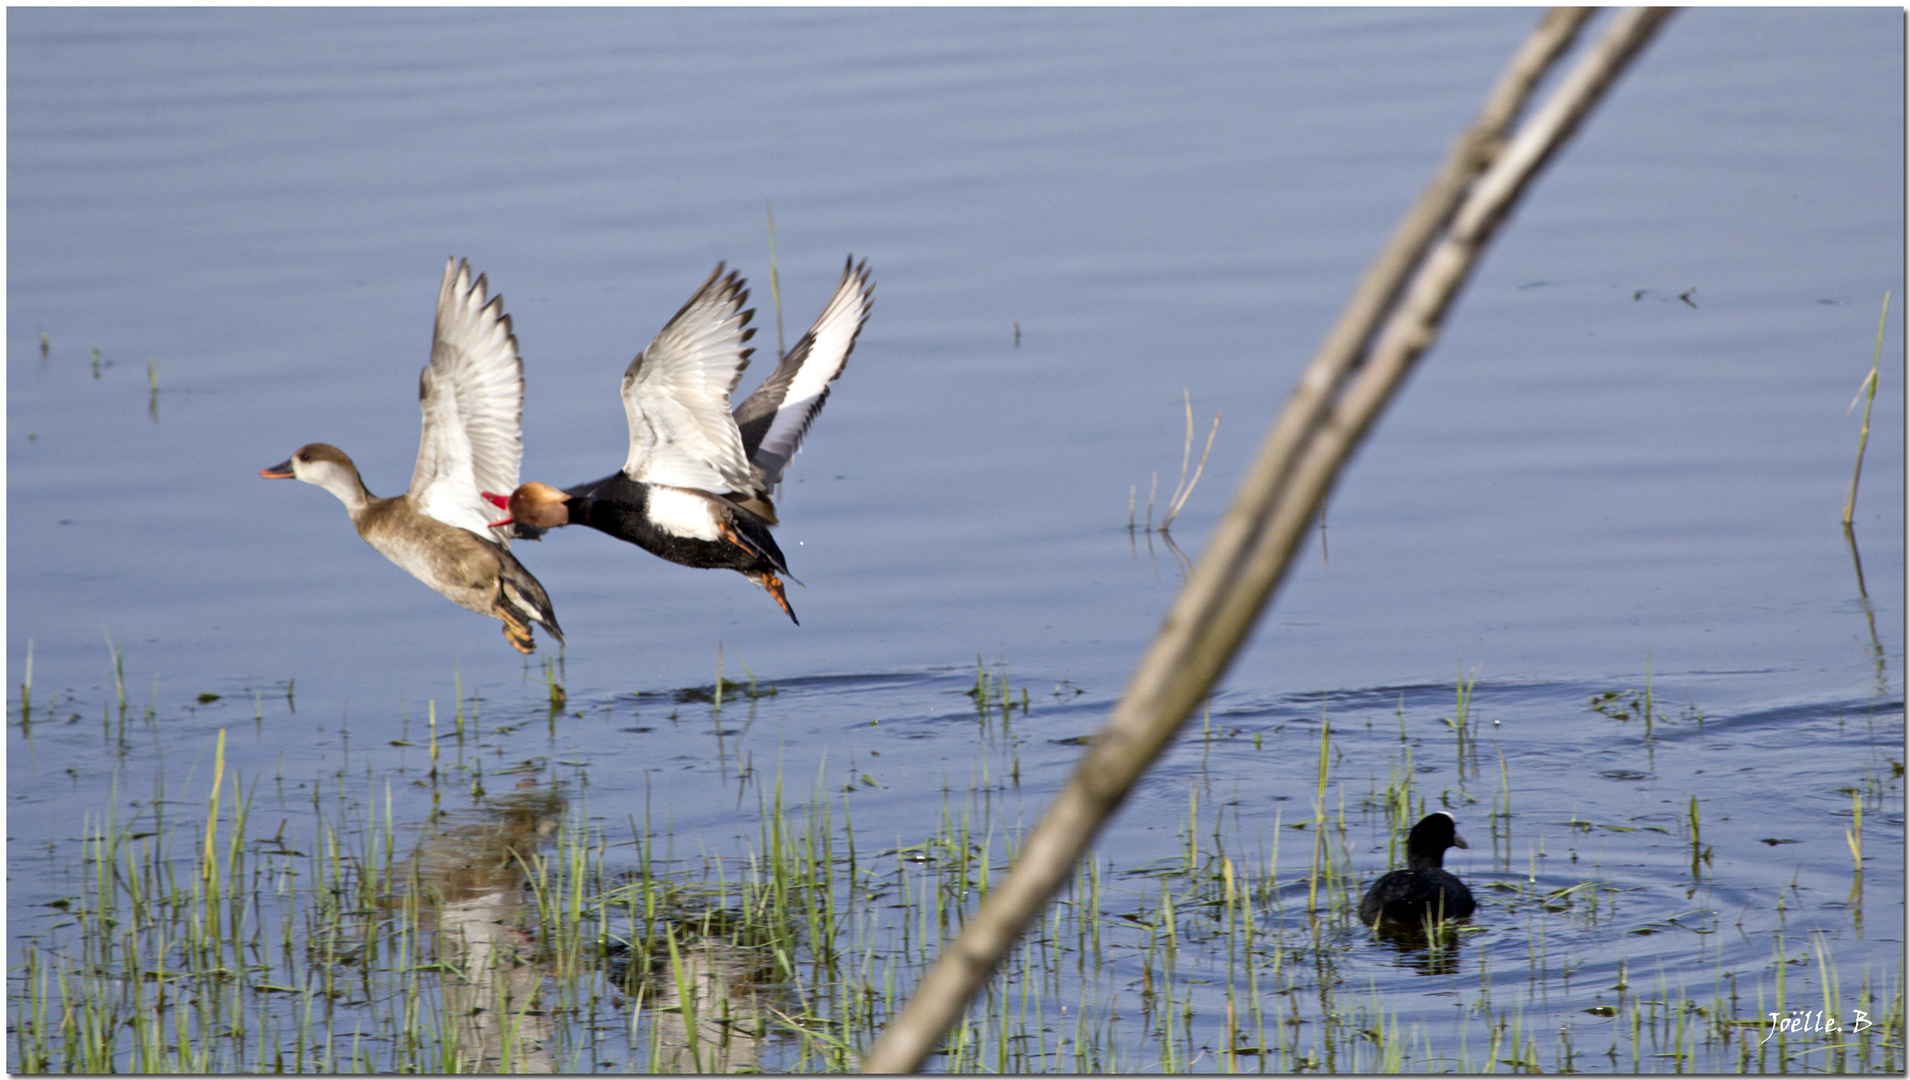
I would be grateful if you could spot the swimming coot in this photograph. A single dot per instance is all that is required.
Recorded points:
(1424, 889)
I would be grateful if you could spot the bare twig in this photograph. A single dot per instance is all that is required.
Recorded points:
(1186, 449)
(1185, 487)
(1289, 480)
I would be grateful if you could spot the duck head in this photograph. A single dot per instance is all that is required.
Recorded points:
(532, 505)
(328, 467)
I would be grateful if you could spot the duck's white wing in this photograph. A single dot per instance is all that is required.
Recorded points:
(472, 394)
(676, 394)
(775, 418)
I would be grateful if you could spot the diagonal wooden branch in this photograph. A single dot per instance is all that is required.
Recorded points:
(1338, 397)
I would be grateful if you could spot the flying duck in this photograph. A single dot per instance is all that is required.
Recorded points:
(472, 393)
(1407, 898)
(699, 483)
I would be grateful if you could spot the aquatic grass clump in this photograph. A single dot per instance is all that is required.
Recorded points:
(255, 952)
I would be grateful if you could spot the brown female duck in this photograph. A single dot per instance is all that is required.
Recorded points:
(472, 394)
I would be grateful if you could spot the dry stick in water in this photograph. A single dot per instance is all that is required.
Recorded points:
(1255, 542)
(1185, 488)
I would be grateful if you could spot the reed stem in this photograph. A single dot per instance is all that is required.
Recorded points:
(1868, 391)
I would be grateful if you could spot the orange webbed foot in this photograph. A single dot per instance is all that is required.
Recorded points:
(774, 585)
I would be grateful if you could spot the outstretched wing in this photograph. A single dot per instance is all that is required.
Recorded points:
(472, 394)
(676, 394)
(775, 418)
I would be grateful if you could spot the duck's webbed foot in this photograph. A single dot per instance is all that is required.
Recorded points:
(517, 631)
(775, 586)
(517, 628)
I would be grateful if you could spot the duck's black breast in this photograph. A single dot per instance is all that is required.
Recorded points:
(615, 505)
(619, 506)
(1408, 897)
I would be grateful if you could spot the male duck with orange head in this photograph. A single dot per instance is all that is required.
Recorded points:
(698, 485)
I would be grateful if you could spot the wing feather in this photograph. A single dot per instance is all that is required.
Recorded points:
(676, 394)
(775, 418)
(472, 395)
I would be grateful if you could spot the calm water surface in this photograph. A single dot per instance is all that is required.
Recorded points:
(1627, 455)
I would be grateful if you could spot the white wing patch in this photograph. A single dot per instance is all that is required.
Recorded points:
(472, 395)
(676, 394)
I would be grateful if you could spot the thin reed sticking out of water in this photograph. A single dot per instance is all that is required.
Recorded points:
(1185, 487)
(26, 689)
(775, 281)
(1868, 392)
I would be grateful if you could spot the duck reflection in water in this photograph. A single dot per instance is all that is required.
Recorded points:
(728, 980)
(470, 884)
(472, 878)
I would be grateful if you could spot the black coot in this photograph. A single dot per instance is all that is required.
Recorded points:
(1409, 897)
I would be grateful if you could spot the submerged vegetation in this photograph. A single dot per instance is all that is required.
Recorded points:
(460, 913)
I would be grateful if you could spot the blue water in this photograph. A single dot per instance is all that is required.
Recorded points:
(1629, 449)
